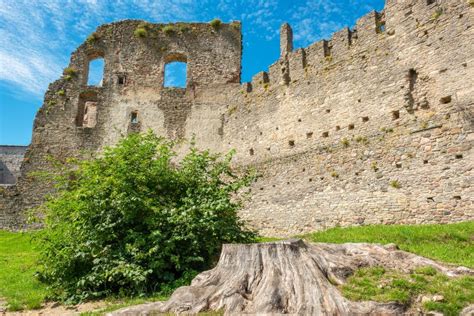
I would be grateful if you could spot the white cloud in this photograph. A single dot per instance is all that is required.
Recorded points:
(37, 37)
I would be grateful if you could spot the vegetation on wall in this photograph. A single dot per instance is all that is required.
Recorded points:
(216, 24)
(134, 219)
(140, 32)
(69, 73)
(92, 38)
(168, 29)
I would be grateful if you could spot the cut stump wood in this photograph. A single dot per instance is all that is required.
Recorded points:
(288, 277)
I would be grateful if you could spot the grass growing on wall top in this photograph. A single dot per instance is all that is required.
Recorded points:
(18, 262)
(451, 243)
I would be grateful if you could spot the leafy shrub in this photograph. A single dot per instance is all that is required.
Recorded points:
(183, 28)
(216, 24)
(168, 29)
(345, 142)
(70, 71)
(140, 32)
(374, 166)
(437, 14)
(362, 140)
(395, 184)
(92, 38)
(237, 25)
(135, 220)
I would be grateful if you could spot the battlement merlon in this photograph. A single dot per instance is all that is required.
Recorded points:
(286, 40)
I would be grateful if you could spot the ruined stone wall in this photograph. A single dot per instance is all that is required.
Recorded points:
(78, 120)
(374, 125)
(11, 158)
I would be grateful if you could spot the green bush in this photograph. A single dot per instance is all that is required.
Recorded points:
(140, 32)
(395, 184)
(168, 30)
(135, 220)
(92, 38)
(216, 24)
(70, 71)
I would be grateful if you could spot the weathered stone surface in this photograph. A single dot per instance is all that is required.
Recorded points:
(287, 277)
(11, 158)
(373, 126)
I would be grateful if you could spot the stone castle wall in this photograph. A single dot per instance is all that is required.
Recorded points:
(11, 158)
(372, 126)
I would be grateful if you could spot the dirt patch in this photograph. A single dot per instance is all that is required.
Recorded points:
(55, 309)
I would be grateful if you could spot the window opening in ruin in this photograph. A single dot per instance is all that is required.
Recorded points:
(425, 161)
(445, 100)
(351, 126)
(395, 115)
(410, 99)
(325, 134)
(251, 152)
(96, 72)
(458, 156)
(175, 74)
(309, 134)
(338, 127)
(291, 143)
(379, 22)
(381, 27)
(134, 117)
(430, 2)
(89, 117)
(121, 80)
(365, 119)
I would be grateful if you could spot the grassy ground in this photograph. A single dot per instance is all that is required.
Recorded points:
(383, 285)
(18, 261)
(453, 243)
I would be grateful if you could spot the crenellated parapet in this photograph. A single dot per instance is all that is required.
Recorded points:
(370, 32)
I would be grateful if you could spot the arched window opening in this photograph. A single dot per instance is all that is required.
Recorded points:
(96, 72)
(134, 117)
(89, 118)
(175, 74)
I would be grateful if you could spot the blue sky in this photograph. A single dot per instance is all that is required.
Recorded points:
(38, 36)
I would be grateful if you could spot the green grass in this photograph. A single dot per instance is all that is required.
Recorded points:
(451, 243)
(18, 262)
(379, 284)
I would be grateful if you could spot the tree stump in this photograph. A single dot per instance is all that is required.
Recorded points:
(288, 277)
